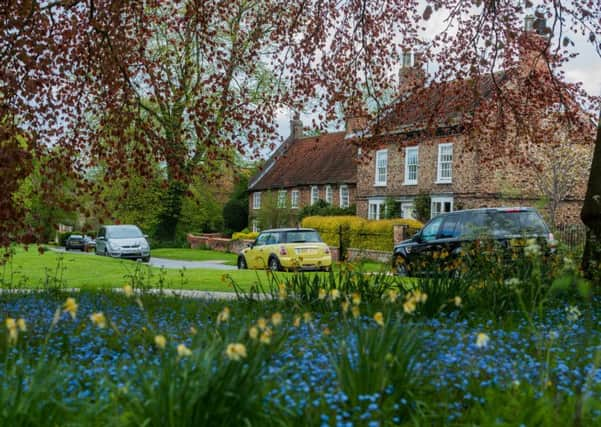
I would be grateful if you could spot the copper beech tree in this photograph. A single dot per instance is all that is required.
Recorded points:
(122, 86)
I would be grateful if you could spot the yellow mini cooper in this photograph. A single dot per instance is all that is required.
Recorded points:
(287, 249)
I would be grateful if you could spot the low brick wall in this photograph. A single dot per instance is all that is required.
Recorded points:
(217, 242)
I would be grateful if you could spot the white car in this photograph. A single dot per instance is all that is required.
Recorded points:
(122, 241)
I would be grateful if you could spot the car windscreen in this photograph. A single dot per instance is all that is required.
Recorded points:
(124, 233)
(302, 236)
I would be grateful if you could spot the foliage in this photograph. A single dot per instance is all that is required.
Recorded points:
(422, 207)
(322, 208)
(359, 232)
(251, 235)
(272, 214)
(235, 211)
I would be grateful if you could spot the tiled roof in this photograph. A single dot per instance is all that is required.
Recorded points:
(442, 103)
(324, 159)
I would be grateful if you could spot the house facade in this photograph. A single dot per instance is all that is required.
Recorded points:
(454, 167)
(304, 170)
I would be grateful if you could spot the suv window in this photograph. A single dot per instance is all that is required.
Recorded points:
(430, 231)
(449, 228)
(501, 223)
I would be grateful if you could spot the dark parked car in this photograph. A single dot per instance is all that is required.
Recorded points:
(444, 237)
(89, 244)
(74, 241)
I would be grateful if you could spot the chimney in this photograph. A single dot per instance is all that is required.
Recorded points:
(412, 74)
(296, 126)
(533, 46)
(355, 117)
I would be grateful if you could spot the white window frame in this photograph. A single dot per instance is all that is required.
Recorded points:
(329, 195)
(440, 200)
(294, 198)
(257, 200)
(408, 179)
(345, 196)
(440, 179)
(314, 194)
(282, 195)
(410, 206)
(380, 206)
(255, 226)
(381, 168)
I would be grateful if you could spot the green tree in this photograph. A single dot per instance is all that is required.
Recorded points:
(235, 211)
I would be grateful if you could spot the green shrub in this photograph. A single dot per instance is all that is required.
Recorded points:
(323, 208)
(245, 236)
(359, 232)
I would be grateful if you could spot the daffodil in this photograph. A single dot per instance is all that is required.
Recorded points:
(345, 306)
(276, 318)
(98, 319)
(193, 330)
(70, 306)
(334, 294)
(355, 311)
(183, 351)
(393, 295)
(11, 323)
(13, 332)
(322, 294)
(482, 340)
(297, 321)
(266, 336)
(22, 325)
(457, 300)
(261, 323)
(283, 293)
(356, 298)
(307, 317)
(253, 332)
(160, 341)
(224, 316)
(326, 331)
(409, 306)
(128, 291)
(379, 318)
(236, 351)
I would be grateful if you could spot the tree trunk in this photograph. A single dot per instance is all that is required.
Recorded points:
(172, 207)
(591, 215)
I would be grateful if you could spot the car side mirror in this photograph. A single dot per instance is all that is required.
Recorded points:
(146, 236)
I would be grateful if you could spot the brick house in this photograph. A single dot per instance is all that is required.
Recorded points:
(448, 163)
(305, 169)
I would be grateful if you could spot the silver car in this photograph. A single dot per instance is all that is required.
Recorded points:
(122, 241)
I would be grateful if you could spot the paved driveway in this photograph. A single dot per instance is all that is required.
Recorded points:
(167, 263)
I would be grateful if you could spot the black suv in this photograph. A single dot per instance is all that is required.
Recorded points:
(441, 240)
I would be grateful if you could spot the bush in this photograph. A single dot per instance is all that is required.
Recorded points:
(323, 208)
(358, 232)
(251, 235)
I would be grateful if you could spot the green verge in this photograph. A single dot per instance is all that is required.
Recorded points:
(195, 255)
(30, 269)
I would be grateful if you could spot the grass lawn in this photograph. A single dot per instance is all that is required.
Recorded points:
(78, 270)
(195, 255)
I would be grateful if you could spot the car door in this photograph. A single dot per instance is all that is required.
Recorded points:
(101, 241)
(422, 252)
(447, 241)
(253, 256)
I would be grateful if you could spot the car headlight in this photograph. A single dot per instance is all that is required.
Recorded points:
(114, 246)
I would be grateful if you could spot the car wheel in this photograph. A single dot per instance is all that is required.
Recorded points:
(66, 247)
(145, 259)
(274, 264)
(106, 253)
(242, 263)
(401, 267)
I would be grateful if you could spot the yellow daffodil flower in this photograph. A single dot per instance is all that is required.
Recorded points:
(276, 318)
(236, 351)
(98, 319)
(379, 318)
(160, 341)
(224, 316)
(482, 340)
(128, 291)
(70, 306)
(253, 332)
(183, 351)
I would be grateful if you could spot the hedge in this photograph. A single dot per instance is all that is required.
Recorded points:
(358, 232)
(244, 236)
